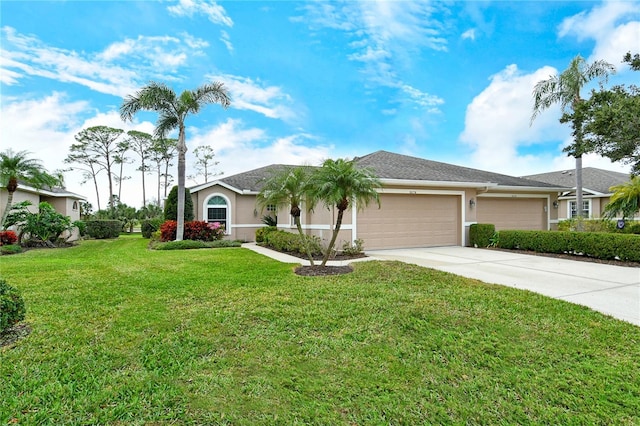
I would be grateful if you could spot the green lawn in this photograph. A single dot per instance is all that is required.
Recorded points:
(127, 336)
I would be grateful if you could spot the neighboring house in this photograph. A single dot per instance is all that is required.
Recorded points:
(422, 203)
(595, 190)
(63, 201)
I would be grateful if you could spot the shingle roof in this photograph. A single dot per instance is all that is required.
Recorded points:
(388, 165)
(592, 178)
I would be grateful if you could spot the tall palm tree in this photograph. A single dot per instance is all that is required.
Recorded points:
(16, 167)
(287, 187)
(173, 111)
(565, 90)
(341, 184)
(625, 199)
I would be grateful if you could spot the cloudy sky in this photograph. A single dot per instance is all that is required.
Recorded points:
(446, 81)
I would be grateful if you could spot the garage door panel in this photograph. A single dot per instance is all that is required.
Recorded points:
(411, 221)
(512, 213)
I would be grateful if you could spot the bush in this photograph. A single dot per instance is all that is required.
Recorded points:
(10, 249)
(191, 244)
(599, 245)
(292, 243)
(101, 229)
(588, 225)
(171, 205)
(481, 234)
(82, 227)
(7, 238)
(354, 249)
(12, 309)
(149, 226)
(44, 227)
(261, 232)
(194, 230)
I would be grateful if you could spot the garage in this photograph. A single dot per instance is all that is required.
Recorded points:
(512, 213)
(411, 220)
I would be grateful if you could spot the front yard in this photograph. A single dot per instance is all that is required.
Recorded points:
(124, 335)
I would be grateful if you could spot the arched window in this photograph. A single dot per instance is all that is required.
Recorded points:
(218, 211)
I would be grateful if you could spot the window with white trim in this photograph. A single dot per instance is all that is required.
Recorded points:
(586, 208)
(218, 211)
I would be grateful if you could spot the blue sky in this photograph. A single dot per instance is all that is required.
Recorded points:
(446, 81)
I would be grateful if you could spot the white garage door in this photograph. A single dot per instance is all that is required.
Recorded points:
(411, 221)
(512, 213)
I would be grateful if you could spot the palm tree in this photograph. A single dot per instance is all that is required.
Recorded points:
(625, 199)
(341, 184)
(15, 168)
(565, 90)
(287, 187)
(173, 110)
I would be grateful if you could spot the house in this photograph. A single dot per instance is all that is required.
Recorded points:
(595, 190)
(63, 201)
(422, 203)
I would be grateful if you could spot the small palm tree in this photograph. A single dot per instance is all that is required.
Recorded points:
(565, 90)
(287, 187)
(16, 167)
(625, 199)
(173, 111)
(341, 184)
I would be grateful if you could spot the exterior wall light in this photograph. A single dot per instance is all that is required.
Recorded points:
(472, 203)
(555, 204)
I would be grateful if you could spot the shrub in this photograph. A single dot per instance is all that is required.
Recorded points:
(44, 227)
(600, 245)
(353, 249)
(12, 309)
(11, 249)
(8, 237)
(588, 225)
(191, 244)
(261, 232)
(149, 226)
(288, 242)
(171, 205)
(481, 234)
(82, 227)
(102, 229)
(194, 230)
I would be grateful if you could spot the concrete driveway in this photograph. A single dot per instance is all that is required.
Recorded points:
(612, 290)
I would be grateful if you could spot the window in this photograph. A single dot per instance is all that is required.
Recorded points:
(586, 208)
(271, 208)
(217, 211)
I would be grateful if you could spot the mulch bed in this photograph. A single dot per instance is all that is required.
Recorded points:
(12, 334)
(322, 271)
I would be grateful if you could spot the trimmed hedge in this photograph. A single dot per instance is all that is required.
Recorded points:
(261, 232)
(149, 226)
(101, 229)
(600, 245)
(291, 243)
(480, 234)
(12, 309)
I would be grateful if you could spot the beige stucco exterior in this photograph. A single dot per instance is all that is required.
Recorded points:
(411, 214)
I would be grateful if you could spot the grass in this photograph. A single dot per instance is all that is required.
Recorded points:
(125, 335)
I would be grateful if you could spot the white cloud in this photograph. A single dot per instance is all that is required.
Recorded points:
(614, 25)
(247, 94)
(469, 34)
(213, 11)
(497, 128)
(226, 40)
(142, 59)
(385, 33)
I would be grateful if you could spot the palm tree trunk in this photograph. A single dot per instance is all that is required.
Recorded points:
(334, 237)
(579, 192)
(6, 209)
(305, 241)
(182, 150)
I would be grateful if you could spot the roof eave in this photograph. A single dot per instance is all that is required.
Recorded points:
(437, 183)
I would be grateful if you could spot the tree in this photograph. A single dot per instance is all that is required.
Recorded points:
(341, 184)
(91, 167)
(565, 90)
(625, 199)
(97, 145)
(204, 162)
(17, 168)
(288, 187)
(612, 120)
(162, 152)
(141, 143)
(173, 111)
(121, 159)
(171, 205)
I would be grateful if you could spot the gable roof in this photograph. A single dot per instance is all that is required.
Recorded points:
(388, 165)
(391, 167)
(593, 179)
